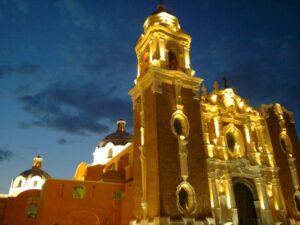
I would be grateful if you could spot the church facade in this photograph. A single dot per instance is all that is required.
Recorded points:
(195, 158)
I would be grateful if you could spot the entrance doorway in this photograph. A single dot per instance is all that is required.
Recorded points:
(245, 205)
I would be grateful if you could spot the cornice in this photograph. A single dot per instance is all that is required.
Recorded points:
(156, 76)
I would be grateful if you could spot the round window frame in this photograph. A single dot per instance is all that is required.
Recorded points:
(297, 195)
(191, 196)
(185, 126)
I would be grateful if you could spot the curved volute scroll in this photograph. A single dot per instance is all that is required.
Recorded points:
(163, 44)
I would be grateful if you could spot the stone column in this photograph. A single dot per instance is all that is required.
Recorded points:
(214, 197)
(264, 205)
(187, 57)
(230, 194)
(277, 194)
(162, 49)
(142, 148)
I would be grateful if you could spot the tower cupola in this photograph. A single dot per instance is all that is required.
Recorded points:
(163, 44)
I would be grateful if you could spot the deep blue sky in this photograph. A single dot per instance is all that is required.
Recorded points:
(66, 67)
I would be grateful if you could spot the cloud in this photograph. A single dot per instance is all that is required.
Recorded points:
(75, 108)
(22, 69)
(62, 141)
(25, 125)
(26, 68)
(74, 10)
(5, 155)
(5, 70)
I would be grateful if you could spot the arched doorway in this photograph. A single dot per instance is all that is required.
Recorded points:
(81, 218)
(245, 205)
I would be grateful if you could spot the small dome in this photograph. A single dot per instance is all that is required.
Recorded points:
(120, 137)
(33, 178)
(35, 172)
(36, 169)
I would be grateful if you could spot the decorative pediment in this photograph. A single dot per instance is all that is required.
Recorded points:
(243, 167)
(228, 104)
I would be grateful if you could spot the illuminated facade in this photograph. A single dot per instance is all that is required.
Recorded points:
(194, 159)
(209, 158)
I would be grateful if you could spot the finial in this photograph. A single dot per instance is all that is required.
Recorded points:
(121, 125)
(204, 90)
(225, 82)
(37, 162)
(160, 5)
(216, 85)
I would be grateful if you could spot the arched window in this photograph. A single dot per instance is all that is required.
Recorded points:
(118, 195)
(230, 141)
(173, 62)
(20, 183)
(144, 65)
(234, 141)
(79, 192)
(110, 153)
(32, 210)
(35, 183)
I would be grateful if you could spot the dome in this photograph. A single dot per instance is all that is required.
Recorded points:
(120, 137)
(36, 169)
(35, 172)
(33, 178)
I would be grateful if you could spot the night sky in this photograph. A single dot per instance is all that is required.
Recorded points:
(66, 67)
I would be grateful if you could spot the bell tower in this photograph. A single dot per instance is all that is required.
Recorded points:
(170, 173)
(164, 44)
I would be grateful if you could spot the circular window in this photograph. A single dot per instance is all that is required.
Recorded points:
(179, 124)
(186, 202)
